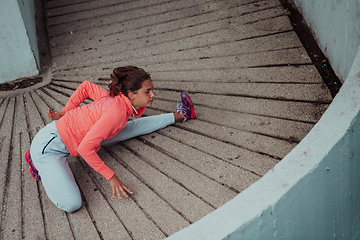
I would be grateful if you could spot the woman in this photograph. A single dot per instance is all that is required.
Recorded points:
(81, 130)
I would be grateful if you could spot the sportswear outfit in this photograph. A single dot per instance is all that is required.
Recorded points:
(81, 131)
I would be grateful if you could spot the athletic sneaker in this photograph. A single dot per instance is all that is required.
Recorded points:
(186, 107)
(34, 173)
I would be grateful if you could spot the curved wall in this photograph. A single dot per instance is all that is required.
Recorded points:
(18, 46)
(27, 10)
(314, 192)
(336, 26)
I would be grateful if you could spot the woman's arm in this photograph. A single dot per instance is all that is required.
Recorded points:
(106, 126)
(90, 144)
(85, 90)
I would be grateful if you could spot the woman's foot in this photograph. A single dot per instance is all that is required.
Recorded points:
(34, 173)
(186, 107)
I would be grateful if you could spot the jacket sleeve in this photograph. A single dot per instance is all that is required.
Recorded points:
(91, 142)
(85, 90)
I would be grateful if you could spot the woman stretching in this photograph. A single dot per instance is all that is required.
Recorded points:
(81, 131)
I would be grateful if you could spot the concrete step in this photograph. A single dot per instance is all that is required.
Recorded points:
(204, 46)
(115, 14)
(185, 18)
(132, 39)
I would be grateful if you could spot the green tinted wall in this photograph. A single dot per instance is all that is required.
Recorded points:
(336, 26)
(19, 55)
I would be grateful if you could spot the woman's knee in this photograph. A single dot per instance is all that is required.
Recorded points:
(71, 206)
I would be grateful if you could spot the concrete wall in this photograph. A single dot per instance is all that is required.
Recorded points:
(314, 192)
(336, 25)
(19, 55)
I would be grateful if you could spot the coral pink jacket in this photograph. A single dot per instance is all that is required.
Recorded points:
(82, 129)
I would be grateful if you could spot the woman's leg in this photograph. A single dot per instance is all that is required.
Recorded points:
(49, 156)
(144, 125)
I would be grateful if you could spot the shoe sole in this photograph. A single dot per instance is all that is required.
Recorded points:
(192, 109)
(30, 169)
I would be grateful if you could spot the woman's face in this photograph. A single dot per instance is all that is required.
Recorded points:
(144, 96)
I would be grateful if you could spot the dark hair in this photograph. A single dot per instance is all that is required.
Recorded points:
(127, 79)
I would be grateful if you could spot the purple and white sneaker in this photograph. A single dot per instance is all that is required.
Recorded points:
(34, 173)
(186, 107)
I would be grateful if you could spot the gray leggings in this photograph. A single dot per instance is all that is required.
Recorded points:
(49, 156)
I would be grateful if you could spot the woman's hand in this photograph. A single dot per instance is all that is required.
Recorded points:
(117, 186)
(55, 115)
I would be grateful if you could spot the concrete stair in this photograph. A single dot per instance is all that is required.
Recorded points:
(255, 90)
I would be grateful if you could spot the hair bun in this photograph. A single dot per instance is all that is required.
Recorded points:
(127, 79)
(114, 78)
